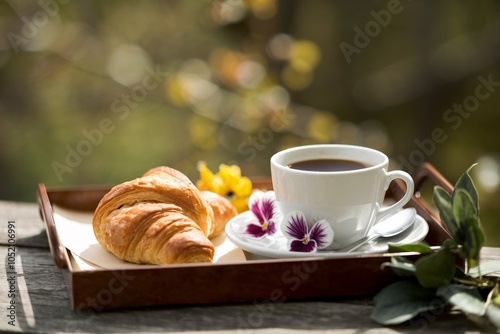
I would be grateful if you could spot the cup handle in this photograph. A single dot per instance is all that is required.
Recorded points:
(391, 176)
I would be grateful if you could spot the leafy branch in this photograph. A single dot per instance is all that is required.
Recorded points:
(451, 275)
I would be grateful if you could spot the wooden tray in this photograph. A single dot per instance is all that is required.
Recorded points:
(273, 280)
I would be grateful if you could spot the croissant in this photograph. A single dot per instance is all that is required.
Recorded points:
(223, 211)
(160, 218)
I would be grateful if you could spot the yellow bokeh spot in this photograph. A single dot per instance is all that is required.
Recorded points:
(304, 56)
(296, 80)
(175, 91)
(322, 126)
(203, 132)
(263, 9)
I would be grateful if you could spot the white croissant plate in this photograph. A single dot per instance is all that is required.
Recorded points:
(74, 229)
(275, 246)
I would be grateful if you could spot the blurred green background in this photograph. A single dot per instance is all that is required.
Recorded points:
(98, 92)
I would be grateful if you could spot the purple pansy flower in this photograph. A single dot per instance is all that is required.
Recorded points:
(263, 206)
(306, 236)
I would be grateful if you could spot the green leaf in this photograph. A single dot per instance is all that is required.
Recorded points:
(401, 301)
(467, 299)
(474, 241)
(449, 244)
(467, 217)
(444, 204)
(463, 206)
(471, 234)
(401, 266)
(419, 248)
(465, 183)
(435, 269)
(493, 315)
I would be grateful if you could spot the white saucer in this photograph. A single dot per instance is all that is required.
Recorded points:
(275, 246)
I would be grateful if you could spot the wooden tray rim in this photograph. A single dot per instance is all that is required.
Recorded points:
(63, 261)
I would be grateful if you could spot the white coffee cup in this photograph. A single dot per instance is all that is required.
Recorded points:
(351, 201)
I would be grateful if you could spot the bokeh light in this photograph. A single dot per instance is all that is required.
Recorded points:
(487, 172)
(228, 11)
(263, 9)
(279, 46)
(127, 64)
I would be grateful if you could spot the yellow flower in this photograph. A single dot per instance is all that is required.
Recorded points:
(227, 182)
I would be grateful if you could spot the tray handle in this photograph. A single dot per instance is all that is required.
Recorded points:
(422, 174)
(57, 249)
(427, 171)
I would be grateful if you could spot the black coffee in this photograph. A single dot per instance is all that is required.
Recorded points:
(327, 165)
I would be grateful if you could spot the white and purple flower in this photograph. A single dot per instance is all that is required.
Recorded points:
(304, 235)
(263, 206)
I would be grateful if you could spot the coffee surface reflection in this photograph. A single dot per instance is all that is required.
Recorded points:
(327, 165)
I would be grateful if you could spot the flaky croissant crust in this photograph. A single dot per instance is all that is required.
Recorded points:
(159, 218)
